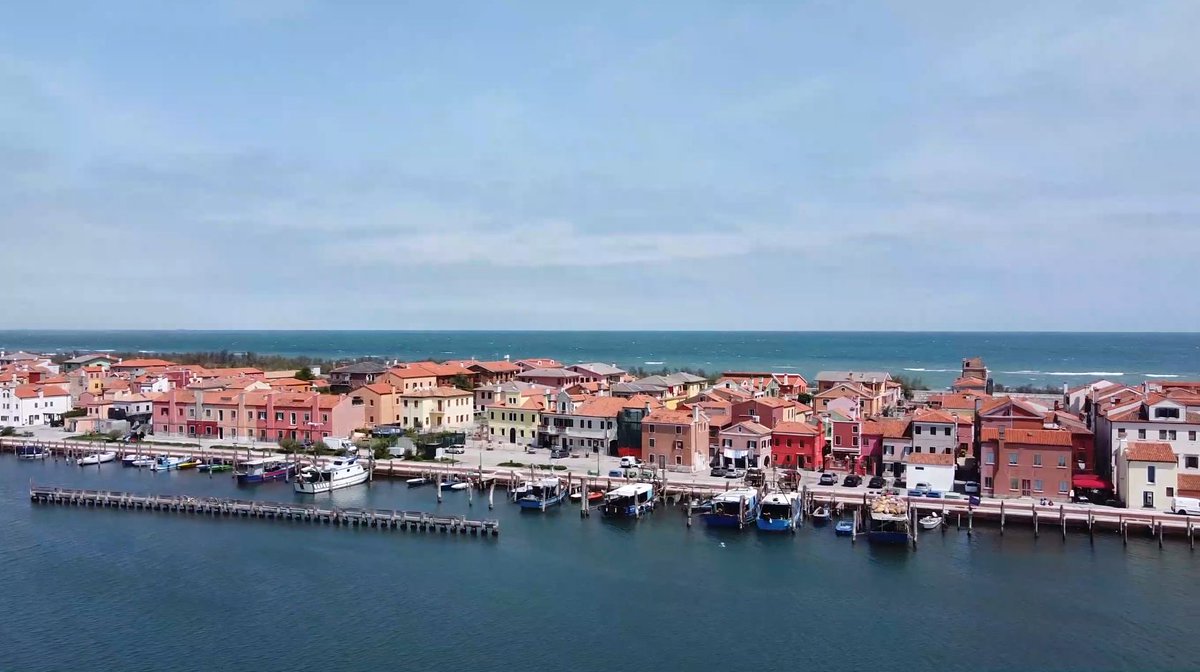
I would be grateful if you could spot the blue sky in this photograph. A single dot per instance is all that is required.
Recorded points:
(817, 165)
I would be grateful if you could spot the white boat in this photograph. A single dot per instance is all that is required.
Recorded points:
(143, 461)
(97, 458)
(342, 472)
(166, 463)
(417, 482)
(129, 459)
(930, 522)
(461, 485)
(32, 452)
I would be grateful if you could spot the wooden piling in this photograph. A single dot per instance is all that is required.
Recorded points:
(1035, 521)
(1002, 517)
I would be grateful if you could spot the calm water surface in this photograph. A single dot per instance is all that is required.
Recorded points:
(119, 590)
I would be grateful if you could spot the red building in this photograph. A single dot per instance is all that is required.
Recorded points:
(1021, 462)
(766, 411)
(798, 445)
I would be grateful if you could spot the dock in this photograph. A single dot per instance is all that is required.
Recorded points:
(221, 507)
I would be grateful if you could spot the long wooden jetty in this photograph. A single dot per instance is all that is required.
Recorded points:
(221, 507)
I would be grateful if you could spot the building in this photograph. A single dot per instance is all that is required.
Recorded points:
(1147, 475)
(586, 423)
(491, 373)
(595, 372)
(895, 436)
(865, 399)
(767, 411)
(935, 431)
(354, 376)
(762, 383)
(487, 395)
(29, 405)
(676, 439)
(934, 469)
(513, 410)
(265, 416)
(798, 445)
(98, 359)
(437, 409)
(137, 367)
(1171, 417)
(380, 403)
(538, 363)
(676, 386)
(551, 377)
(845, 443)
(409, 378)
(1020, 462)
(745, 445)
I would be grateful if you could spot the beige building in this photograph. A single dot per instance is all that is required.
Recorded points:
(1147, 475)
(437, 408)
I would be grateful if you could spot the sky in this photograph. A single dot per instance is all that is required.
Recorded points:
(618, 165)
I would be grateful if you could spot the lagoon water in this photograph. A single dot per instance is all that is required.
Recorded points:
(1015, 358)
(124, 590)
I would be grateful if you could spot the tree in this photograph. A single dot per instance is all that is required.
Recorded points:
(804, 398)
(304, 373)
(462, 382)
(908, 384)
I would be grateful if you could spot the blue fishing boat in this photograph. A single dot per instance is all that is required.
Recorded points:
(261, 471)
(844, 528)
(780, 512)
(32, 452)
(628, 501)
(542, 494)
(887, 520)
(735, 508)
(166, 463)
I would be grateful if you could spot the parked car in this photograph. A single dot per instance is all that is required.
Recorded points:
(919, 490)
(628, 461)
(718, 471)
(852, 480)
(828, 479)
(456, 450)
(971, 487)
(735, 473)
(876, 483)
(559, 453)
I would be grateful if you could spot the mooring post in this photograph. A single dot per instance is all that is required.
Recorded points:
(1035, 521)
(958, 521)
(1160, 534)
(1091, 527)
(1191, 531)
(1062, 519)
(970, 521)
(854, 530)
(1002, 517)
(438, 488)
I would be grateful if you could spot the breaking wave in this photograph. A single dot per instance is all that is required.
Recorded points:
(921, 370)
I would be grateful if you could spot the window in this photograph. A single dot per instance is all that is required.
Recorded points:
(1012, 459)
(854, 429)
(1062, 461)
(854, 441)
(1171, 435)
(1141, 433)
(918, 448)
(947, 430)
(1037, 485)
(988, 482)
(1191, 461)
(1063, 487)
(279, 416)
(652, 442)
(1037, 459)
(837, 440)
(1150, 474)
(678, 460)
(918, 429)
(1166, 413)
(678, 429)
(1170, 491)
(1120, 432)
(1192, 435)
(989, 458)
(679, 445)
(1162, 434)
(293, 417)
(1148, 499)
(1014, 484)
(651, 429)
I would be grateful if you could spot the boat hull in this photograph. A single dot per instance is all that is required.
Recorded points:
(531, 504)
(891, 537)
(316, 487)
(723, 521)
(775, 525)
(273, 475)
(97, 459)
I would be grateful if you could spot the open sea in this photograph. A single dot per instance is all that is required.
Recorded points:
(99, 589)
(1015, 358)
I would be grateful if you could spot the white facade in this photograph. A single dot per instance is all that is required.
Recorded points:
(940, 477)
(1184, 438)
(1148, 486)
(25, 412)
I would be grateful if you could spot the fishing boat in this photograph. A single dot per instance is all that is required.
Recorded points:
(733, 508)
(32, 452)
(166, 463)
(628, 501)
(844, 528)
(887, 520)
(821, 516)
(417, 482)
(543, 493)
(188, 462)
(780, 512)
(215, 467)
(930, 522)
(260, 471)
(97, 458)
(342, 472)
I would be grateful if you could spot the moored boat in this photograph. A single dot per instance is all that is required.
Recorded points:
(821, 516)
(733, 508)
(261, 470)
(128, 460)
(542, 494)
(417, 482)
(780, 512)
(844, 528)
(592, 496)
(887, 520)
(628, 501)
(215, 467)
(97, 458)
(342, 472)
(32, 452)
(930, 522)
(166, 463)
(188, 462)
(143, 461)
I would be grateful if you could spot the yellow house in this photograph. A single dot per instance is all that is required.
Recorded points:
(437, 408)
(380, 402)
(514, 417)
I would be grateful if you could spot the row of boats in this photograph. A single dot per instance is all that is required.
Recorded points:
(887, 520)
(632, 500)
(340, 472)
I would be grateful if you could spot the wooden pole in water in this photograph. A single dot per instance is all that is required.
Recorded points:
(943, 525)
(438, 486)
(1124, 533)
(1091, 522)
(970, 520)
(854, 531)
(1062, 519)
(1035, 521)
(1160, 534)
(1002, 517)
(1191, 531)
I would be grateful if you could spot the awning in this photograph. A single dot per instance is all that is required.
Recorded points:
(735, 454)
(1090, 482)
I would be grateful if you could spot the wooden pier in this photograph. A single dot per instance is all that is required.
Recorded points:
(220, 507)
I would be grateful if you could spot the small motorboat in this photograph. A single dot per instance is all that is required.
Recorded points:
(165, 463)
(821, 516)
(215, 467)
(461, 485)
(143, 461)
(844, 528)
(97, 458)
(930, 522)
(592, 497)
(417, 482)
(453, 485)
(32, 452)
(188, 463)
(128, 460)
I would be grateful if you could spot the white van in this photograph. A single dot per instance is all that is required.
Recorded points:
(1186, 506)
(628, 461)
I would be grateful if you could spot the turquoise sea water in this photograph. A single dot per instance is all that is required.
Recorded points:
(1015, 358)
(123, 590)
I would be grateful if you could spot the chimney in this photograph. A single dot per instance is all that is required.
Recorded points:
(696, 413)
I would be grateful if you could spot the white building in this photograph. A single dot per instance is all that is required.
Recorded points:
(1147, 475)
(936, 469)
(27, 405)
(1172, 418)
(590, 425)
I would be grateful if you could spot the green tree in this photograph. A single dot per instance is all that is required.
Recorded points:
(908, 384)
(462, 382)
(304, 373)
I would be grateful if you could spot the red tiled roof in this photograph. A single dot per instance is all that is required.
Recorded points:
(893, 428)
(142, 363)
(1149, 451)
(437, 392)
(668, 417)
(1189, 483)
(933, 415)
(930, 458)
(377, 388)
(1034, 437)
(797, 428)
(750, 425)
